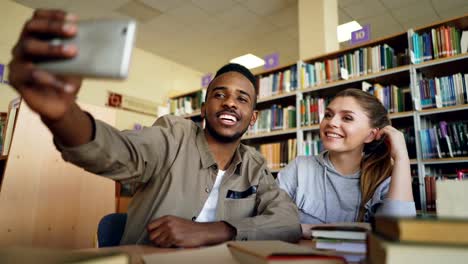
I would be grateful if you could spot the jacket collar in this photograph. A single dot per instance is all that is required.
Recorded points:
(206, 156)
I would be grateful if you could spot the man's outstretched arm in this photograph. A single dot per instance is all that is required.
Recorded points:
(51, 96)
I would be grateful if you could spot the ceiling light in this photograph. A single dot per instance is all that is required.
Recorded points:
(249, 61)
(344, 30)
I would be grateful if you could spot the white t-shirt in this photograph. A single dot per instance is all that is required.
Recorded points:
(208, 213)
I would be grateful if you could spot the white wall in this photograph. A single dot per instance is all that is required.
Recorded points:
(151, 77)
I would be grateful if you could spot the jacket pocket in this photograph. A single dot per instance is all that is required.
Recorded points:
(239, 208)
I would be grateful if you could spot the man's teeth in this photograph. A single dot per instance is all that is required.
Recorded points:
(228, 117)
(333, 135)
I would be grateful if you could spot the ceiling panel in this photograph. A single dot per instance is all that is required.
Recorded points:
(266, 7)
(46, 3)
(163, 5)
(382, 25)
(454, 12)
(188, 13)
(392, 4)
(166, 24)
(214, 6)
(419, 21)
(365, 8)
(345, 3)
(448, 4)
(284, 18)
(210, 25)
(412, 12)
(238, 16)
(343, 17)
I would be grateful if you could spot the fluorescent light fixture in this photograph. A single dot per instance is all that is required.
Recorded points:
(344, 30)
(249, 61)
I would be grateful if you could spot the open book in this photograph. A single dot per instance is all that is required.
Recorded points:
(247, 252)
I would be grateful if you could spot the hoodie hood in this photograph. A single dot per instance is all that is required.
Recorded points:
(324, 160)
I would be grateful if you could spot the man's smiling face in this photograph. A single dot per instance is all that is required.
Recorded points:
(228, 110)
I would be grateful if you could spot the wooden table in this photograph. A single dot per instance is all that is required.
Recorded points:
(136, 252)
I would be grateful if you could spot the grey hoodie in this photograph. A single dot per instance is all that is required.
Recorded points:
(323, 195)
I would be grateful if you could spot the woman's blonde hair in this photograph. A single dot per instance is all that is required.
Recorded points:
(376, 164)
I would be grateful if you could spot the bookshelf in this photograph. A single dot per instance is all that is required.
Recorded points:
(392, 68)
(397, 69)
(187, 104)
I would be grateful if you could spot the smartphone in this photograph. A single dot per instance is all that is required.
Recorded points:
(104, 50)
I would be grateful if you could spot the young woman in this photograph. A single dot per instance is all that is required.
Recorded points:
(364, 170)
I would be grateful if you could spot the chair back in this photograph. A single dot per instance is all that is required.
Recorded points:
(110, 229)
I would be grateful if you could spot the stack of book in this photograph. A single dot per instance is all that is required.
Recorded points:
(348, 241)
(423, 239)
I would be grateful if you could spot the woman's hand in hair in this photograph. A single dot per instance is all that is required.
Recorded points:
(400, 185)
(395, 140)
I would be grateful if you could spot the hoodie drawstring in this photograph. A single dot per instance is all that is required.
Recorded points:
(325, 191)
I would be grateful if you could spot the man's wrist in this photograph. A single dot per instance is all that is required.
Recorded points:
(219, 232)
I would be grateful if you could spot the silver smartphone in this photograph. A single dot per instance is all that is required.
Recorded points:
(104, 50)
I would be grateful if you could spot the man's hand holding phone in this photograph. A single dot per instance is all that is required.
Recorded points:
(48, 94)
(55, 51)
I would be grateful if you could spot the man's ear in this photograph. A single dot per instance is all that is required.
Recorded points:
(202, 110)
(254, 117)
(372, 135)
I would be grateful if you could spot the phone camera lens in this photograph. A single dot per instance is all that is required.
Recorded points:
(124, 31)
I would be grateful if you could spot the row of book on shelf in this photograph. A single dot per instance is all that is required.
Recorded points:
(312, 108)
(444, 139)
(393, 98)
(277, 83)
(443, 91)
(187, 104)
(439, 42)
(7, 122)
(434, 93)
(357, 63)
(274, 118)
(278, 154)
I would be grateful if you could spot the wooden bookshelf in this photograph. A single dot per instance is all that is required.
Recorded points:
(310, 128)
(270, 134)
(445, 160)
(358, 79)
(276, 97)
(401, 114)
(187, 104)
(447, 109)
(195, 113)
(440, 61)
(405, 76)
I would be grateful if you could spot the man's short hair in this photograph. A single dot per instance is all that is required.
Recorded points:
(234, 67)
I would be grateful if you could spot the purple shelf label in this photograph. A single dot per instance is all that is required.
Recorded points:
(361, 35)
(206, 79)
(2, 70)
(271, 61)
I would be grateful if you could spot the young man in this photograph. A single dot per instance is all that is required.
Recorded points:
(199, 186)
